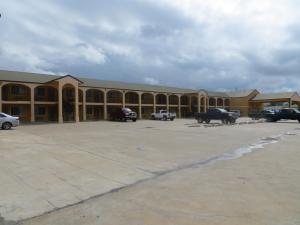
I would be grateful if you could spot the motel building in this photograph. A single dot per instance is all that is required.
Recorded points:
(48, 98)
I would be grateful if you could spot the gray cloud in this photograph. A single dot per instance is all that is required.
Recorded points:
(204, 46)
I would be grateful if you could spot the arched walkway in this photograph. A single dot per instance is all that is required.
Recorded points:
(161, 99)
(147, 98)
(220, 102)
(46, 103)
(68, 92)
(173, 100)
(16, 100)
(114, 97)
(94, 96)
(131, 98)
(212, 102)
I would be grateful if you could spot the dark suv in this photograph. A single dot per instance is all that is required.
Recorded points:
(285, 114)
(123, 114)
(216, 114)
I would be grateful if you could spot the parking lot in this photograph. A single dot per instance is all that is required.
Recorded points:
(150, 173)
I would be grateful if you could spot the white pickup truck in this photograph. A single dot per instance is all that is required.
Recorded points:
(163, 115)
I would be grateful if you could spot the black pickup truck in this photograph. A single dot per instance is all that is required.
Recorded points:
(283, 114)
(217, 114)
(123, 114)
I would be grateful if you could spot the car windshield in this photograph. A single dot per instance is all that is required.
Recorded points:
(4, 115)
(127, 110)
(223, 110)
(296, 110)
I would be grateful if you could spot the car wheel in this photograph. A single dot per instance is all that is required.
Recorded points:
(133, 120)
(152, 117)
(165, 118)
(172, 119)
(224, 121)
(207, 121)
(6, 126)
(200, 120)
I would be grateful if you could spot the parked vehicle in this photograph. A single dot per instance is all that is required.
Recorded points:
(262, 114)
(286, 114)
(238, 112)
(163, 115)
(216, 114)
(7, 121)
(123, 114)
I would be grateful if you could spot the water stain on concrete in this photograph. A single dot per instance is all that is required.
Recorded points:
(7, 222)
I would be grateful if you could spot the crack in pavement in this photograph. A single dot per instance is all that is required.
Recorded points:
(235, 154)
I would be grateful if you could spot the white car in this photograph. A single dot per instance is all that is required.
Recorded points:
(7, 121)
(163, 115)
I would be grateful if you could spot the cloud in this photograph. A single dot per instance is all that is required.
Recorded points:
(215, 45)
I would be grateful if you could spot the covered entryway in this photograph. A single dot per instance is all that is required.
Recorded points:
(274, 101)
(68, 93)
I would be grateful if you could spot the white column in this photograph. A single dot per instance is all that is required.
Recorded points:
(179, 106)
(205, 104)
(32, 117)
(123, 99)
(140, 106)
(60, 104)
(0, 97)
(76, 105)
(84, 104)
(154, 103)
(224, 103)
(168, 105)
(105, 105)
(199, 103)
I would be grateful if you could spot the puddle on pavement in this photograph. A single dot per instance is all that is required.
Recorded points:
(238, 153)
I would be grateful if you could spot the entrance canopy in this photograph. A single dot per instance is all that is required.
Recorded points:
(289, 98)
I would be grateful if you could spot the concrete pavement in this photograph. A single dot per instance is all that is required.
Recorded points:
(149, 172)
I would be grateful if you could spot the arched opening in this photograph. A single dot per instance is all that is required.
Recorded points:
(94, 111)
(202, 103)
(220, 102)
(173, 100)
(45, 94)
(131, 98)
(13, 94)
(184, 100)
(161, 99)
(114, 97)
(46, 104)
(212, 102)
(68, 93)
(194, 104)
(94, 96)
(147, 98)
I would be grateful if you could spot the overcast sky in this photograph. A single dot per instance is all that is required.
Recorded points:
(215, 45)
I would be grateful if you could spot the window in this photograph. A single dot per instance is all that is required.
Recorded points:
(2, 115)
(41, 91)
(15, 111)
(17, 90)
(41, 111)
